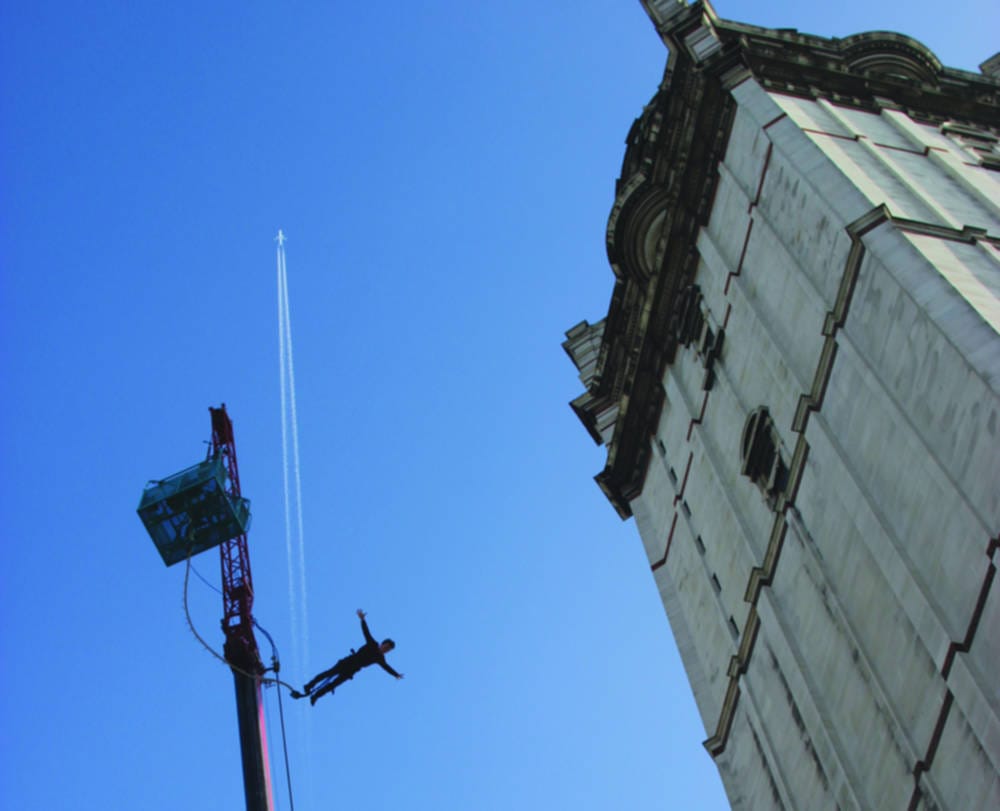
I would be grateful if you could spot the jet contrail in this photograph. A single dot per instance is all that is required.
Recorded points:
(292, 602)
(294, 422)
(290, 420)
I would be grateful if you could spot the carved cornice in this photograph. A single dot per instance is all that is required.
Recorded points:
(868, 70)
(663, 197)
(871, 71)
(669, 174)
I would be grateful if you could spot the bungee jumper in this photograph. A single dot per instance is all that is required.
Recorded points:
(371, 653)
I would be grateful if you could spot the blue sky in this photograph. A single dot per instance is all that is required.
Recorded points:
(443, 172)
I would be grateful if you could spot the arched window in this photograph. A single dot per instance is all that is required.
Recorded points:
(760, 453)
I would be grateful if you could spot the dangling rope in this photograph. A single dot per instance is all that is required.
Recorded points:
(284, 746)
(210, 649)
(263, 679)
(281, 715)
(201, 577)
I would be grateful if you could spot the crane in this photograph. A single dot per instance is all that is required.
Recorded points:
(240, 647)
(188, 513)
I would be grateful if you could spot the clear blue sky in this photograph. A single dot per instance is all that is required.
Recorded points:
(443, 172)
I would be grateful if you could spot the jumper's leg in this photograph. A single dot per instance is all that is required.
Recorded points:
(326, 674)
(329, 687)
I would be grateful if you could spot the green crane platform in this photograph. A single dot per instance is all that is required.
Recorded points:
(191, 511)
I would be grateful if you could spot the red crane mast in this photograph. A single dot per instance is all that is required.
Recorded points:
(237, 581)
(240, 647)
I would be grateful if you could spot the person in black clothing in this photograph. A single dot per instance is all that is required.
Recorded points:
(370, 653)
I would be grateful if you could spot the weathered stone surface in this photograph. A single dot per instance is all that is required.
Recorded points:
(834, 203)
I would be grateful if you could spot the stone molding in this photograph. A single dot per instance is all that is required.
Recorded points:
(670, 171)
(763, 575)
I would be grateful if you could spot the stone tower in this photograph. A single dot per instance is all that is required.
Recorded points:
(798, 386)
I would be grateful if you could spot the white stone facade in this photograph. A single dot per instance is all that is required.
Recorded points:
(842, 637)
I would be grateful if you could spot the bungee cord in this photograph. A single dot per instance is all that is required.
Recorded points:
(213, 651)
(275, 667)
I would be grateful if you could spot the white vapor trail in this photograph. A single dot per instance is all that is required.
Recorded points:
(290, 424)
(299, 614)
(292, 602)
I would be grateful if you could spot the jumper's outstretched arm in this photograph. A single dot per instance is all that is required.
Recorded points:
(364, 627)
